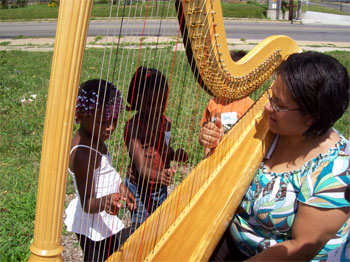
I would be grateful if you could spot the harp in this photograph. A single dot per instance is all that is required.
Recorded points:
(196, 202)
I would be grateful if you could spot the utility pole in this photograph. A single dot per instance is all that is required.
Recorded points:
(291, 11)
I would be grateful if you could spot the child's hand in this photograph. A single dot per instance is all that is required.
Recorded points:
(180, 155)
(166, 176)
(114, 202)
(130, 198)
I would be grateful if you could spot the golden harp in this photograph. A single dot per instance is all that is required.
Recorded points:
(209, 195)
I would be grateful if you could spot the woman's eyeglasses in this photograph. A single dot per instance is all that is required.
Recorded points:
(276, 108)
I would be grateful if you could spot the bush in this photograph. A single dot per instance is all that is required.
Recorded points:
(54, 3)
(4, 4)
(22, 3)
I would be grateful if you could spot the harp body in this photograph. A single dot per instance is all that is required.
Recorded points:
(188, 225)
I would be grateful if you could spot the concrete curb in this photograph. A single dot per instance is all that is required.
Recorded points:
(46, 44)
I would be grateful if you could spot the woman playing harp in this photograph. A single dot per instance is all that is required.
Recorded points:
(297, 207)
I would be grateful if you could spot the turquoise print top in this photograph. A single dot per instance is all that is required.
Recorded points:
(267, 211)
(341, 253)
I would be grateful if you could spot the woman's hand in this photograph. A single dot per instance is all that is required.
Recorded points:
(130, 198)
(211, 134)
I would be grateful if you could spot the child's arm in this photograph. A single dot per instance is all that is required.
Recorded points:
(83, 172)
(179, 155)
(153, 173)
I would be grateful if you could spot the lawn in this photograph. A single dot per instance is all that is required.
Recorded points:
(155, 10)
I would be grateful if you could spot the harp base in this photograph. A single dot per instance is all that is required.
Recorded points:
(45, 255)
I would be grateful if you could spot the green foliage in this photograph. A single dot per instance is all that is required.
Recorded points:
(4, 4)
(54, 3)
(20, 3)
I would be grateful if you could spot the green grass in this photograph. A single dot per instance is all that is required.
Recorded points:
(32, 12)
(323, 9)
(155, 10)
(6, 43)
(23, 74)
(249, 9)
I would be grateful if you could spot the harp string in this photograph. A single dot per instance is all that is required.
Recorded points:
(203, 36)
(99, 127)
(165, 212)
(113, 80)
(158, 146)
(133, 91)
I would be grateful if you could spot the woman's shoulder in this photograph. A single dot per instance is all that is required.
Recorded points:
(326, 183)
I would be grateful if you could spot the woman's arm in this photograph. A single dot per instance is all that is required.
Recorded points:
(312, 228)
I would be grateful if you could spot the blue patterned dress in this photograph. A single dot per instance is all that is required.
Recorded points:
(266, 214)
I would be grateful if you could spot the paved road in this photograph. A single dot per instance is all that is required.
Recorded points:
(235, 29)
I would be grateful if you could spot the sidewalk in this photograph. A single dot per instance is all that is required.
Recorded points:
(46, 44)
(310, 17)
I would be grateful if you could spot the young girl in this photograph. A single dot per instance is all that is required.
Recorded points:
(99, 191)
(147, 137)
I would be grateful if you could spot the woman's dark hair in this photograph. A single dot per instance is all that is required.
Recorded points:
(144, 81)
(319, 85)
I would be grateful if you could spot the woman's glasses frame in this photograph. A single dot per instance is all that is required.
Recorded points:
(276, 108)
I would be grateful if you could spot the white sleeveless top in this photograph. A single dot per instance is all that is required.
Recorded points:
(101, 225)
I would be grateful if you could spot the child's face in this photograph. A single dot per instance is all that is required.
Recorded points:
(153, 103)
(99, 127)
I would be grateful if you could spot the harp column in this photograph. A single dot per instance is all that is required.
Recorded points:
(72, 27)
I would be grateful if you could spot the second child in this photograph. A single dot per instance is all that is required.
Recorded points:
(147, 137)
